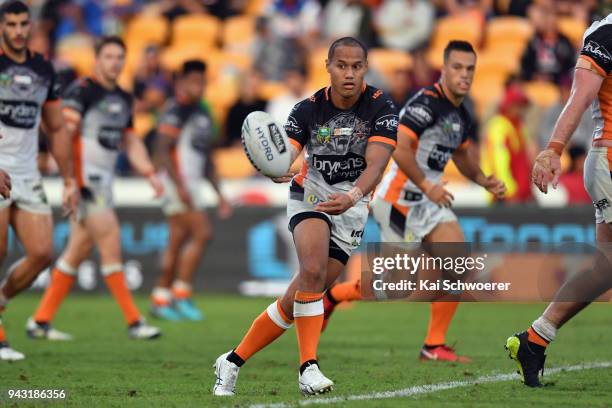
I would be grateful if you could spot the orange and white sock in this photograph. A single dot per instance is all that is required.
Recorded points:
(161, 297)
(441, 316)
(542, 331)
(308, 315)
(115, 280)
(266, 328)
(63, 277)
(346, 291)
(182, 290)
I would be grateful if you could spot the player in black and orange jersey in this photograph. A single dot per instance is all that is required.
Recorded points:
(184, 144)
(348, 131)
(98, 114)
(592, 86)
(411, 203)
(28, 97)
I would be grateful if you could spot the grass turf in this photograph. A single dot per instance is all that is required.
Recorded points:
(367, 348)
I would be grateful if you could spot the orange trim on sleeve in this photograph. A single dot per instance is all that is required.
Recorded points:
(169, 130)
(296, 144)
(382, 139)
(408, 132)
(599, 69)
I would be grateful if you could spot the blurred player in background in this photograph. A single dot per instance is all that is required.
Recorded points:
(185, 139)
(592, 86)
(411, 203)
(27, 96)
(98, 115)
(349, 132)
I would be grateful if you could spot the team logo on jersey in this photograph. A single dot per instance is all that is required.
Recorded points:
(24, 80)
(18, 114)
(599, 50)
(337, 168)
(5, 79)
(439, 156)
(343, 131)
(110, 137)
(291, 126)
(324, 135)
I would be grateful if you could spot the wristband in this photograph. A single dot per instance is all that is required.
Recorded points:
(355, 194)
(556, 147)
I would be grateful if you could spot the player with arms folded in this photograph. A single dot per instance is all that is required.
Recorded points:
(98, 114)
(27, 96)
(411, 203)
(592, 86)
(348, 131)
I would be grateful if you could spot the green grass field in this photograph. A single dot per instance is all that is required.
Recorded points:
(367, 348)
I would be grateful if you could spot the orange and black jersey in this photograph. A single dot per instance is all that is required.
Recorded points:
(335, 140)
(596, 49)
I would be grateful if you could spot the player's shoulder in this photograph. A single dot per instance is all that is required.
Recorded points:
(40, 62)
(308, 105)
(599, 32)
(378, 99)
(125, 95)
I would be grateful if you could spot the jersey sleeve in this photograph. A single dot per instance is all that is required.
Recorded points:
(296, 126)
(54, 85)
(385, 125)
(170, 121)
(417, 115)
(596, 49)
(75, 96)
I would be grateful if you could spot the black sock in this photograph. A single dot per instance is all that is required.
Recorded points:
(430, 347)
(329, 296)
(235, 358)
(307, 364)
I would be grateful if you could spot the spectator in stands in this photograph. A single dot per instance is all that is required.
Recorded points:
(152, 84)
(507, 149)
(61, 18)
(584, 132)
(404, 24)
(549, 55)
(171, 9)
(398, 87)
(422, 73)
(572, 180)
(248, 101)
(348, 18)
(280, 106)
(517, 8)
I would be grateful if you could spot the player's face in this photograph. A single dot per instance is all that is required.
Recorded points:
(193, 85)
(110, 61)
(458, 72)
(347, 68)
(16, 30)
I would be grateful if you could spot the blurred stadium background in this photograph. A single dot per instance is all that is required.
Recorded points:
(269, 54)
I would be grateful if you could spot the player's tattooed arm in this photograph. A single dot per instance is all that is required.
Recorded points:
(377, 156)
(464, 160)
(61, 148)
(547, 166)
(140, 160)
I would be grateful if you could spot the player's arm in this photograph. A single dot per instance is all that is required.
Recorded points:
(224, 208)
(464, 160)
(141, 162)
(296, 128)
(61, 149)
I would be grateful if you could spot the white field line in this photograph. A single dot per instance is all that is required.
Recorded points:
(430, 388)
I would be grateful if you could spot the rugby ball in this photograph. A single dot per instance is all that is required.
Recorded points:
(266, 144)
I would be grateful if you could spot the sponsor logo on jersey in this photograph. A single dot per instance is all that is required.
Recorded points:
(23, 79)
(598, 50)
(291, 126)
(338, 168)
(277, 138)
(323, 135)
(388, 122)
(313, 199)
(439, 156)
(421, 114)
(343, 131)
(110, 137)
(19, 114)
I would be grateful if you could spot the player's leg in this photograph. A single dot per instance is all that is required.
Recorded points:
(441, 313)
(6, 352)
(63, 276)
(104, 228)
(161, 297)
(200, 232)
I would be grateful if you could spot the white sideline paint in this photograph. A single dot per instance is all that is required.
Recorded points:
(431, 388)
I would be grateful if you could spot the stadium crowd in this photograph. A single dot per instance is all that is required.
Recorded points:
(269, 54)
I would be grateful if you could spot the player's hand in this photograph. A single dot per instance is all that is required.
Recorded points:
(438, 194)
(224, 209)
(70, 197)
(156, 184)
(5, 184)
(546, 169)
(184, 195)
(283, 179)
(337, 204)
(495, 186)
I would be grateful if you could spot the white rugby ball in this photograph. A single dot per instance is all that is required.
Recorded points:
(266, 144)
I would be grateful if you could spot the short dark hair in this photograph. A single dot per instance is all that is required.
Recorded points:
(13, 7)
(193, 65)
(346, 42)
(457, 45)
(106, 40)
